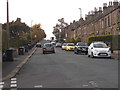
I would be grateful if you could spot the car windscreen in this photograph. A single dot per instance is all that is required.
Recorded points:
(48, 45)
(82, 44)
(100, 46)
(58, 44)
(70, 45)
(64, 44)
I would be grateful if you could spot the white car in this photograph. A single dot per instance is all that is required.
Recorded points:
(64, 46)
(99, 49)
(53, 43)
(58, 44)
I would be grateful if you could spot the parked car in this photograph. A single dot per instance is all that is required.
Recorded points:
(81, 47)
(53, 42)
(64, 46)
(58, 44)
(70, 47)
(99, 49)
(38, 45)
(48, 47)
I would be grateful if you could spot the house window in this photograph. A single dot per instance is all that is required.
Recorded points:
(102, 23)
(105, 23)
(108, 21)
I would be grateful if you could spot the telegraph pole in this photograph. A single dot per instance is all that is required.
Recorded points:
(8, 33)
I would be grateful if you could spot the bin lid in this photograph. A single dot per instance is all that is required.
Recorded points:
(11, 49)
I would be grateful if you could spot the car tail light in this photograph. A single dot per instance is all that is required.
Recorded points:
(44, 48)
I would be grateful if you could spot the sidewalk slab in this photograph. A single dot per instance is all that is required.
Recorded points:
(8, 67)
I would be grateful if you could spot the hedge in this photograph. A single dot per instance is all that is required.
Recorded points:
(113, 39)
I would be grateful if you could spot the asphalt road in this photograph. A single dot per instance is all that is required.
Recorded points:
(64, 69)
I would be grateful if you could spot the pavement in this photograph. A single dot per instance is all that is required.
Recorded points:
(11, 68)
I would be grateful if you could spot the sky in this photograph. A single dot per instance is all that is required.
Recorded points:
(47, 12)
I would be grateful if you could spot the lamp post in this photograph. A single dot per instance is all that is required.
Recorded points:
(80, 12)
(31, 31)
(8, 33)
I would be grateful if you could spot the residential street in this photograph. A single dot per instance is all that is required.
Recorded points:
(64, 69)
(60, 44)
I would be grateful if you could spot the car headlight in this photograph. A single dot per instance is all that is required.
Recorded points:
(109, 50)
(79, 48)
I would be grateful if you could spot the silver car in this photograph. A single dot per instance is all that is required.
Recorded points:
(48, 47)
(64, 46)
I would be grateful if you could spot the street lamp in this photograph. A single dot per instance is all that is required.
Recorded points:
(8, 33)
(80, 12)
(31, 31)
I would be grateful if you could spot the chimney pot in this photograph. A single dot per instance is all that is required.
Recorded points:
(115, 3)
(104, 4)
(73, 21)
(100, 8)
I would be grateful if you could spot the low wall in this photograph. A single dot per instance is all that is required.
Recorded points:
(116, 54)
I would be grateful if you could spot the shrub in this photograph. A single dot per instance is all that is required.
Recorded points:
(23, 41)
(113, 39)
(104, 38)
(72, 40)
(77, 40)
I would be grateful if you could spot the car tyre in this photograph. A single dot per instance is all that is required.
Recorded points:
(75, 52)
(92, 55)
(88, 55)
(43, 52)
(53, 51)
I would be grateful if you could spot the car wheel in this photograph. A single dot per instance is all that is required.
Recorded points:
(43, 52)
(88, 55)
(53, 51)
(110, 57)
(92, 55)
(75, 52)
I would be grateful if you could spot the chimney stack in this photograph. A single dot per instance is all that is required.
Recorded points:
(73, 21)
(85, 16)
(110, 7)
(100, 10)
(96, 12)
(104, 7)
(115, 3)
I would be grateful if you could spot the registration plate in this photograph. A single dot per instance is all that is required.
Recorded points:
(49, 49)
(83, 49)
(103, 54)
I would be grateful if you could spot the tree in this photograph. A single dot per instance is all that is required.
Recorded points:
(17, 30)
(37, 32)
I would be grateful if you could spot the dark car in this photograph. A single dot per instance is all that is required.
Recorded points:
(81, 47)
(48, 47)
